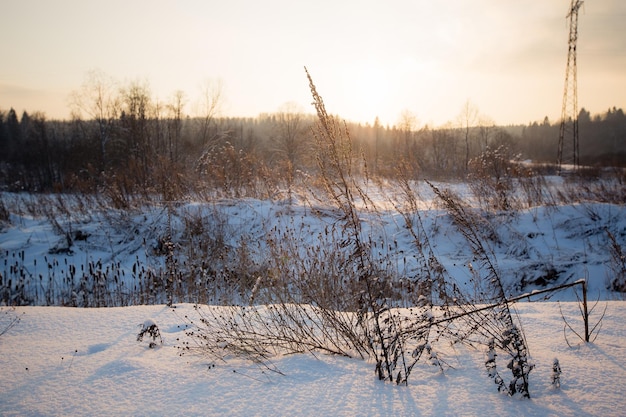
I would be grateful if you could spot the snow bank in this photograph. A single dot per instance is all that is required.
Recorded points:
(67, 361)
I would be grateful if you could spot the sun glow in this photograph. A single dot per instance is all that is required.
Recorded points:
(367, 90)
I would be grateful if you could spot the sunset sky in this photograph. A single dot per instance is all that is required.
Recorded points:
(367, 58)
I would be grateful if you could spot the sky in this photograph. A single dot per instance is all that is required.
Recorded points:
(367, 58)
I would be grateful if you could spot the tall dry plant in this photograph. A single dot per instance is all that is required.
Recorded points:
(617, 264)
(497, 323)
(335, 158)
(346, 312)
(434, 294)
(299, 315)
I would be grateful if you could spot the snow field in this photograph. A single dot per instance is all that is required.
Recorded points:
(66, 361)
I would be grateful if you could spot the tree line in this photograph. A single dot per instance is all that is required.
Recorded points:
(124, 141)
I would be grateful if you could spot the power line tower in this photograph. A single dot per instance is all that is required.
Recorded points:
(568, 133)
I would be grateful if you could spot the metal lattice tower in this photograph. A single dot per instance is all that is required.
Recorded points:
(568, 134)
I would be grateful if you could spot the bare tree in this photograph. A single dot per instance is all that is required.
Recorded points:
(98, 100)
(408, 125)
(377, 135)
(137, 108)
(208, 108)
(467, 119)
(288, 138)
(175, 123)
(486, 130)
(443, 150)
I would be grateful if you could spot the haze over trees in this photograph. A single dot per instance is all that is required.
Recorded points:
(122, 139)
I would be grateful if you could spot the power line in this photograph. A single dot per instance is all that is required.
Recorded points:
(568, 133)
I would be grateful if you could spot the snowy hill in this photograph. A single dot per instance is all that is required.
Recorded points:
(53, 251)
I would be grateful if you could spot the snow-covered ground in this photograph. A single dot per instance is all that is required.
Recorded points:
(532, 248)
(67, 361)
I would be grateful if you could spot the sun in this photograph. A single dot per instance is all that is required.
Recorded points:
(367, 89)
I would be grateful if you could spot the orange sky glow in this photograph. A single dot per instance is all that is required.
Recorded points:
(368, 58)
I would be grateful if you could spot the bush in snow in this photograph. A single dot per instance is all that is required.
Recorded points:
(150, 329)
(518, 364)
(491, 178)
(556, 373)
(618, 264)
(490, 364)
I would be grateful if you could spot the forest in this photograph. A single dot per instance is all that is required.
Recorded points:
(124, 142)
